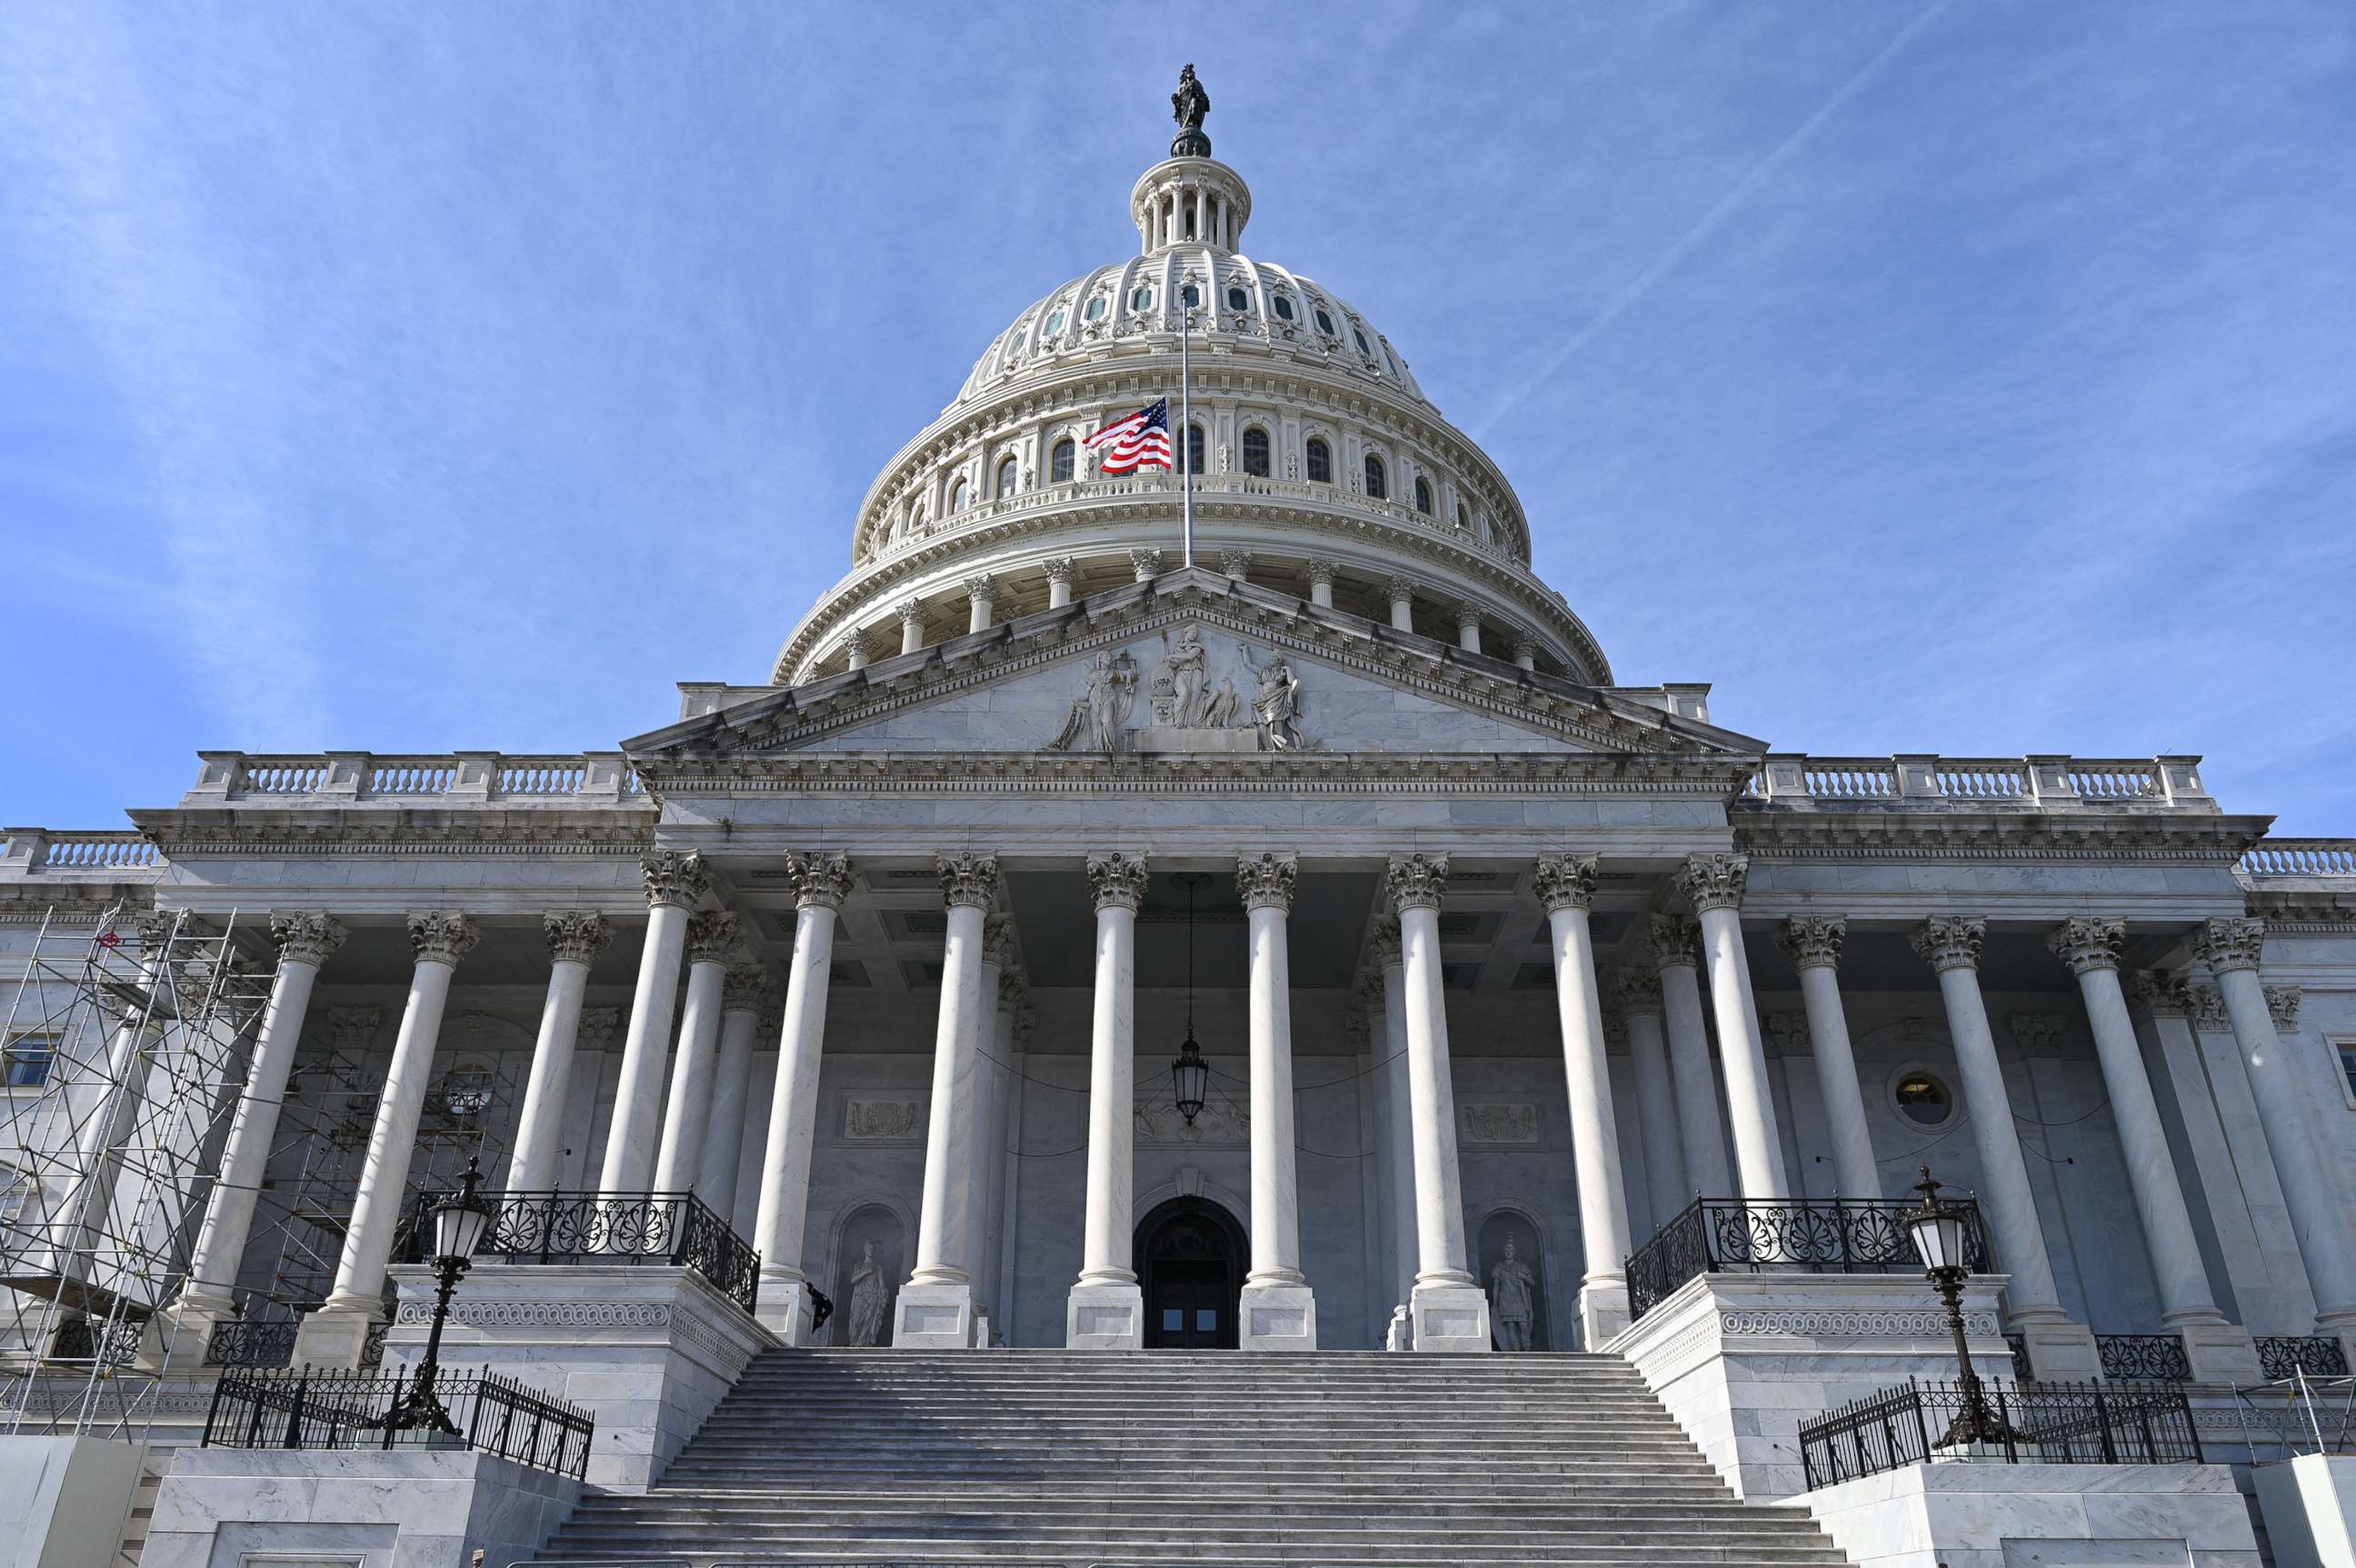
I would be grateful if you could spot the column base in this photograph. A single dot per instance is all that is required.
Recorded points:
(1400, 1334)
(1276, 1317)
(2061, 1351)
(1105, 1317)
(934, 1318)
(1603, 1311)
(781, 1303)
(336, 1338)
(1450, 1317)
(177, 1339)
(2219, 1351)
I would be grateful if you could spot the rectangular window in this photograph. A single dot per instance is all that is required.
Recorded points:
(2347, 1049)
(25, 1063)
(1173, 1319)
(1206, 1320)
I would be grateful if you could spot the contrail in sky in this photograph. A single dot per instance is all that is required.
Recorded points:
(1642, 283)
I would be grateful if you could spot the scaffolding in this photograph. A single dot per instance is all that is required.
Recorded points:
(125, 1047)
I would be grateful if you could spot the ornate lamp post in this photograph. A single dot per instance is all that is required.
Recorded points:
(459, 1223)
(1941, 1234)
(1190, 1075)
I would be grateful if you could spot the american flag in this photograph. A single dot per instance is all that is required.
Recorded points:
(1142, 440)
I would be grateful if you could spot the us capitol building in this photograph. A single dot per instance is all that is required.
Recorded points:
(1276, 928)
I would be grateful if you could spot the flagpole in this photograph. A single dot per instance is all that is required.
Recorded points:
(1186, 428)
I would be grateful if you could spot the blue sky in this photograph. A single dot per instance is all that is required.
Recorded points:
(1966, 377)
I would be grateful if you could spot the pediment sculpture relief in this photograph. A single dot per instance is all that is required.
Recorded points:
(1192, 707)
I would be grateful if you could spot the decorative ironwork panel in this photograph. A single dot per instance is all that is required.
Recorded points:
(239, 1342)
(313, 1408)
(673, 1228)
(2018, 1345)
(2046, 1423)
(2144, 1357)
(2287, 1354)
(1832, 1236)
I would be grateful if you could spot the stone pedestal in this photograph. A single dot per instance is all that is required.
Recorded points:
(1740, 1360)
(935, 1317)
(175, 1341)
(335, 1337)
(2000, 1516)
(1602, 1312)
(647, 1350)
(783, 1307)
(1105, 1317)
(64, 1500)
(1277, 1317)
(2309, 1504)
(2061, 1351)
(1450, 1317)
(2220, 1353)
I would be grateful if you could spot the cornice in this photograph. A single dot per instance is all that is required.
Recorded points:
(195, 833)
(1963, 834)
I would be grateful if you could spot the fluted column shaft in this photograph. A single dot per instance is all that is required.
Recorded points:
(1813, 946)
(722, 1159)
(2231, 950)
(1112, 1087)
(1676, 948)
(575, 940)
(674, 883)
(1715, 884)
(1566, 884)
(1450, 1311)
(1656, 1102)
(779, 1224)
(1267, 884)
(711, 943)
(948, 1142)
(1400, 1096)
(973, 1214)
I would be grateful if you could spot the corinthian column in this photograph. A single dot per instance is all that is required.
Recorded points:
(1105, 1311)
(743, 994)
(936, 1307)
(2058, 1348)
(1566, 885)
(2218, 1351)
(782, 1304)
(178, 1337)
(1675, 943)
(2327, 1241)
(1814, 945)
(674, 883)
(1714, 882)
(1278, 1309)
(714, 941)
(1448, 1308)
(575, 938)
(335, 1333)
(1638, 992)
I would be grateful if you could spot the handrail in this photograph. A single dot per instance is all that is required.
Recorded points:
(2041, 1424)
(1728, 1235)
(553, 1227)
(316, 1408)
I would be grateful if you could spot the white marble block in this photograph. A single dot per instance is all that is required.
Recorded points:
(2309, 1504)
(1277, 1317)
(1450, 1317)
(2017, 1516)
(1105, 1317)
(64, 1500)
(935, 1317)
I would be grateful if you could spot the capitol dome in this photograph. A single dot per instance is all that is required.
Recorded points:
(1321, 468)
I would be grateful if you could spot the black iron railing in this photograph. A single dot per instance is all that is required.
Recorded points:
(2144, 1357)
(250, 1342)
(2048, 1424)
(1833, 1236)
(2287, 1354)
(675, 1227)
(313, 1409)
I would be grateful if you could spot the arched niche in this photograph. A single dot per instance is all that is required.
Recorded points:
(1528, 1239)
(880, 1226)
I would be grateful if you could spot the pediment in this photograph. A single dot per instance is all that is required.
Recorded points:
(1203, 666)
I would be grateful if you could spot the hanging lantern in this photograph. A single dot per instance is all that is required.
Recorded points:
(1190, 1076)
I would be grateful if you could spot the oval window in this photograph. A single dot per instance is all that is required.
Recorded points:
(1284, 307)
(1238, 300)
(1363, 347)
(1054, 323)
(1097, 308)
(1923, 1098)
(1142, 299)
(1325, 325)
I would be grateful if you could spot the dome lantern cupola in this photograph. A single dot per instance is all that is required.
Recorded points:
(1190, 197)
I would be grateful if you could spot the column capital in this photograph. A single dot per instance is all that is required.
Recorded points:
(910, 610)
(1321, 570)
(819, 881)
(970, 880)
(1714, 881)
(1416, 881)
(1010, 990)
(746, 988)
(441, 936)
(1266, 880)
(997, 942)
(1389, 953)
(1117, 880)
(2210, 1014)
(673, 878)
(980, 588)
(713, 936)
(308, 937)
(1812, 942)
(2160, 994)
(1399, 589)
(858, 643)
(1949, 941)
(1369, 990)
(2225, 945)
(1565, 880)
(2282, 1001)
(1521, 644)
(2088, 942)
(1060, 569)
(1146, 563)
(1637, 992)
(154, 928)
(1468, 616)
(576, 936)
(1675, 942)
(1236, 564)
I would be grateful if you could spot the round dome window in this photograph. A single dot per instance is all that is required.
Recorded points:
(1922, 1098)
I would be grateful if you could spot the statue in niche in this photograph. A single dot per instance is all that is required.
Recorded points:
(1100, 712)
(1276, 706)
(1513, 1300)
(869, 1294)
(1179, 687)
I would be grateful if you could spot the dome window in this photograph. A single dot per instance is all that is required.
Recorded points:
(1059, 465)
(1194, 448)
(1255, 452)
(957, 497)
(1321, 461)
(1284, 308)
(1007, 472)
(1377, 480)
(1054, 324)
(1424, 495)
(1363, 346)
(1097, 308)
(1190, 296)
(1140, 299)
(1238, 300)
(1923, 1100)
(1464, 518)
(1325, 324)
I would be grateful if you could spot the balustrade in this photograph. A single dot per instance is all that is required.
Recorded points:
(588, 777)
(2301, 858)
(1924, 782)
(1832, 1236)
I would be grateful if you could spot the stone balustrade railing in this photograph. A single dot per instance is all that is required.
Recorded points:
(586, 778)
(100, 854)
(2301, 858)
(1915, 782)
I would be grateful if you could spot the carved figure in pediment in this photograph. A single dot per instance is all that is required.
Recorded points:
(1220, 710)
(1101, 711)
(1180, 684)
(1276, 706)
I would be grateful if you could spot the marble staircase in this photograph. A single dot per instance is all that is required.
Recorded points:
(1111, 1457)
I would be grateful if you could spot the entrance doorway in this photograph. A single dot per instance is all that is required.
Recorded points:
(1190, 1256)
